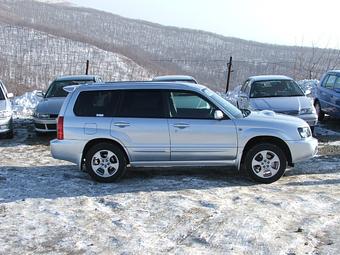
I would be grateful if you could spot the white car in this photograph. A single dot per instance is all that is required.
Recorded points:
(278, 93)
(6, 113)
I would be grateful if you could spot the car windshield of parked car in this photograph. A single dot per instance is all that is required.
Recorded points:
(275, 88)
(2, 96)
(233, 110)
(56, 88)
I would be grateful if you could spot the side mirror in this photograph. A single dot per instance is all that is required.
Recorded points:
(218, 115)
(10, 95)
(308, 93)
(40, 93)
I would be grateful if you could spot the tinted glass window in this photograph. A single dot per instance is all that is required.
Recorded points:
(329, 82)
(244, 86)
(337, 83)
(275, 88)
(189, 105)
(142, 104)
(56, 88)
(2, 96)
(97, 103)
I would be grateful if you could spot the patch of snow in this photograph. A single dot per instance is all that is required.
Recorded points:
(23, 106)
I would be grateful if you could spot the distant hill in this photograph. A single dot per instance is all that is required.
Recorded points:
(148, 48)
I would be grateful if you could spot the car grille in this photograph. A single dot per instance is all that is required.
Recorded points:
(51, 126)
(46, 127)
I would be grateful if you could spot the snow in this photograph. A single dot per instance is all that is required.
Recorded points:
(49, 206)
(23, 106)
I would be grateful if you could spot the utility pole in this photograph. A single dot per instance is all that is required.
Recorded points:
(230, 64)
(87, 67)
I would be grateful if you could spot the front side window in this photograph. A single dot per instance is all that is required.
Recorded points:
(329, 82)
(275, 88)
(188, 105)
(142, 104)
(56, 88)
(337, 83)
(97, 103)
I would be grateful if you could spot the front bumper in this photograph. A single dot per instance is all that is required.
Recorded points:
(6, 125)
(68, 150)
(303, 149)
(45, 125)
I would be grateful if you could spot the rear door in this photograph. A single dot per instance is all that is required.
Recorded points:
(194, 133)
(141, 125)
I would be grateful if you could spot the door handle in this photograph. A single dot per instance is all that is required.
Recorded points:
(121, 124)
(181, 125)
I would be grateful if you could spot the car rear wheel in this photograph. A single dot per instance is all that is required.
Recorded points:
(105, 162)
(319, 112)
(265, 163)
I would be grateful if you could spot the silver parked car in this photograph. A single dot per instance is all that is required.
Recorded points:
(277, 93)
(176, 78)
(148, 124)
(46, 113)
(6, 113)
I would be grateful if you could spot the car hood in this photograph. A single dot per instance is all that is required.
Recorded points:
(5, 105)
(281, 104)
(50, 105)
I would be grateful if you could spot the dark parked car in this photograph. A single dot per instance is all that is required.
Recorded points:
(328, 95)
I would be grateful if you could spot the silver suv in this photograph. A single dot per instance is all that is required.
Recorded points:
(106, 128)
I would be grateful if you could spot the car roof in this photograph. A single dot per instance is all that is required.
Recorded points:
(142, 85)
(77, 77)
(174, 78)
(269, 77)
(333, 71)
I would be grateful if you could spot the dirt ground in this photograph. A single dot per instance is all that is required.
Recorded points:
(49, 207)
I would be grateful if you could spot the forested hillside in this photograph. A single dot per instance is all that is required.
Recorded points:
(78, 34)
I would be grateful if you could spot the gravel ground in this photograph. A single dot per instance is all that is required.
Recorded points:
(48, 206)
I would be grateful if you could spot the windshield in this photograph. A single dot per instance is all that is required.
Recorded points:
(56, 88)
(275, 88)
(234, 111)
(2, 97)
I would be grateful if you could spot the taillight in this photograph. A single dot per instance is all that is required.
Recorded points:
(60, 128)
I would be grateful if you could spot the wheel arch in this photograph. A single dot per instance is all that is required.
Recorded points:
(268, 139)
(104, 140)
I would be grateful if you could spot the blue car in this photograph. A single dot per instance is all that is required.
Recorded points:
(328, 95)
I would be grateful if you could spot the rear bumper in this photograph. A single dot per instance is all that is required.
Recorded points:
(45, 125)
(303, 149)
(68, 150)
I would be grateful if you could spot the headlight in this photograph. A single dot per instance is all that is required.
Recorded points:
(304, 132)
(5, 114)
(41, 116)
(307, 110)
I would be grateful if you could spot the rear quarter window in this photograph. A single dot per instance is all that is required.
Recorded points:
(97, 103)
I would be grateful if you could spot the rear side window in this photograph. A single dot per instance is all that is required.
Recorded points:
(97, 103)
(337, 83)
(329, 82)
(142, 104)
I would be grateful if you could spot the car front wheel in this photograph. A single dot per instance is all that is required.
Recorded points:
(105, 162)
(265, 163)
(319, 112)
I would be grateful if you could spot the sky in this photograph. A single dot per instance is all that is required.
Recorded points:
(286, 22)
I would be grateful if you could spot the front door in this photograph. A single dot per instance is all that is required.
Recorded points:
(194, 133)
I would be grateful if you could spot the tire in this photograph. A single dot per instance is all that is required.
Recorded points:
(312, 129)
(319, 112)
(105, 162)
(265, 163)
